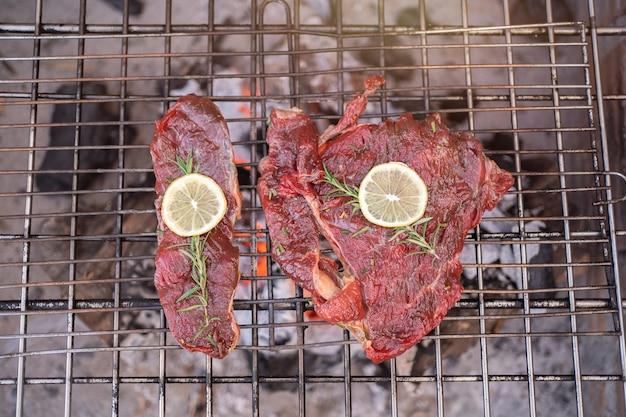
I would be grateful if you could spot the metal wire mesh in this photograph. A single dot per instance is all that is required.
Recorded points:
(539, 330)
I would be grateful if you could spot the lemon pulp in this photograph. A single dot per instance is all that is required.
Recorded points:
(192, 205)
(392, 195)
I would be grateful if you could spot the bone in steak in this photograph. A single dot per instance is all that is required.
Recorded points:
(388, 295)
(194, 126)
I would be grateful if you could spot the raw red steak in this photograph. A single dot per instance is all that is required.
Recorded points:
(387, 295)
(194, 126)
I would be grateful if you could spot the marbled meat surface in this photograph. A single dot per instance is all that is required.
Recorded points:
(386, 293)
(195, 126)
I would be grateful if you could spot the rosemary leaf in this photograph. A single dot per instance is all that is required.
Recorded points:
(361, 231)
(186, 166)
(357, 149)
(190, 308)
(280, 249)
(342, 189)
(210, 339)
(199, 332)
(188, 294)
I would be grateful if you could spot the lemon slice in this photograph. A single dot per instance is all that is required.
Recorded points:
(192, 205)
(393, 195)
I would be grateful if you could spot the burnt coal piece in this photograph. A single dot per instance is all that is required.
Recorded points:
(92, 137)
(135, 7)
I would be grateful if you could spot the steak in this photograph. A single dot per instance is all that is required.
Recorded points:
(194, 128)
(385, 289)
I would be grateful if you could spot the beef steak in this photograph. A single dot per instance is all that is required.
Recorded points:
(388, 293)
(195, 127)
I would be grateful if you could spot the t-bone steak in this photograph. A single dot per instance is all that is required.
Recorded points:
(194, 128)
(385, 290)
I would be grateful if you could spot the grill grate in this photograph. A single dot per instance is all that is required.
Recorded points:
(539, 330)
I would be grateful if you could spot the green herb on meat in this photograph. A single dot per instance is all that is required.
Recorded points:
(279, 248)
(342, 190)
(417, 238)
(361, 231)
(186, 165)
(411, 233)
(193, 249)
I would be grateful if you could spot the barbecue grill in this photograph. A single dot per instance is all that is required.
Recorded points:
(540, 327)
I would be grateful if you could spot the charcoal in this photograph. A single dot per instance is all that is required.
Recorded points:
(62, 160)
(534, 12)
(393, 56)
(135, 7)
(102, 273)
(541, 277)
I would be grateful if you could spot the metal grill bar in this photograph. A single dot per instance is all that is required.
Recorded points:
(315, 380)
(78, 265)
(55, 31)
(615, 273)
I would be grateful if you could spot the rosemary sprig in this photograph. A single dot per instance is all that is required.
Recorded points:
(186, 166)
(412, 235)
(342, 190)
(417, 238)
(194, 251)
